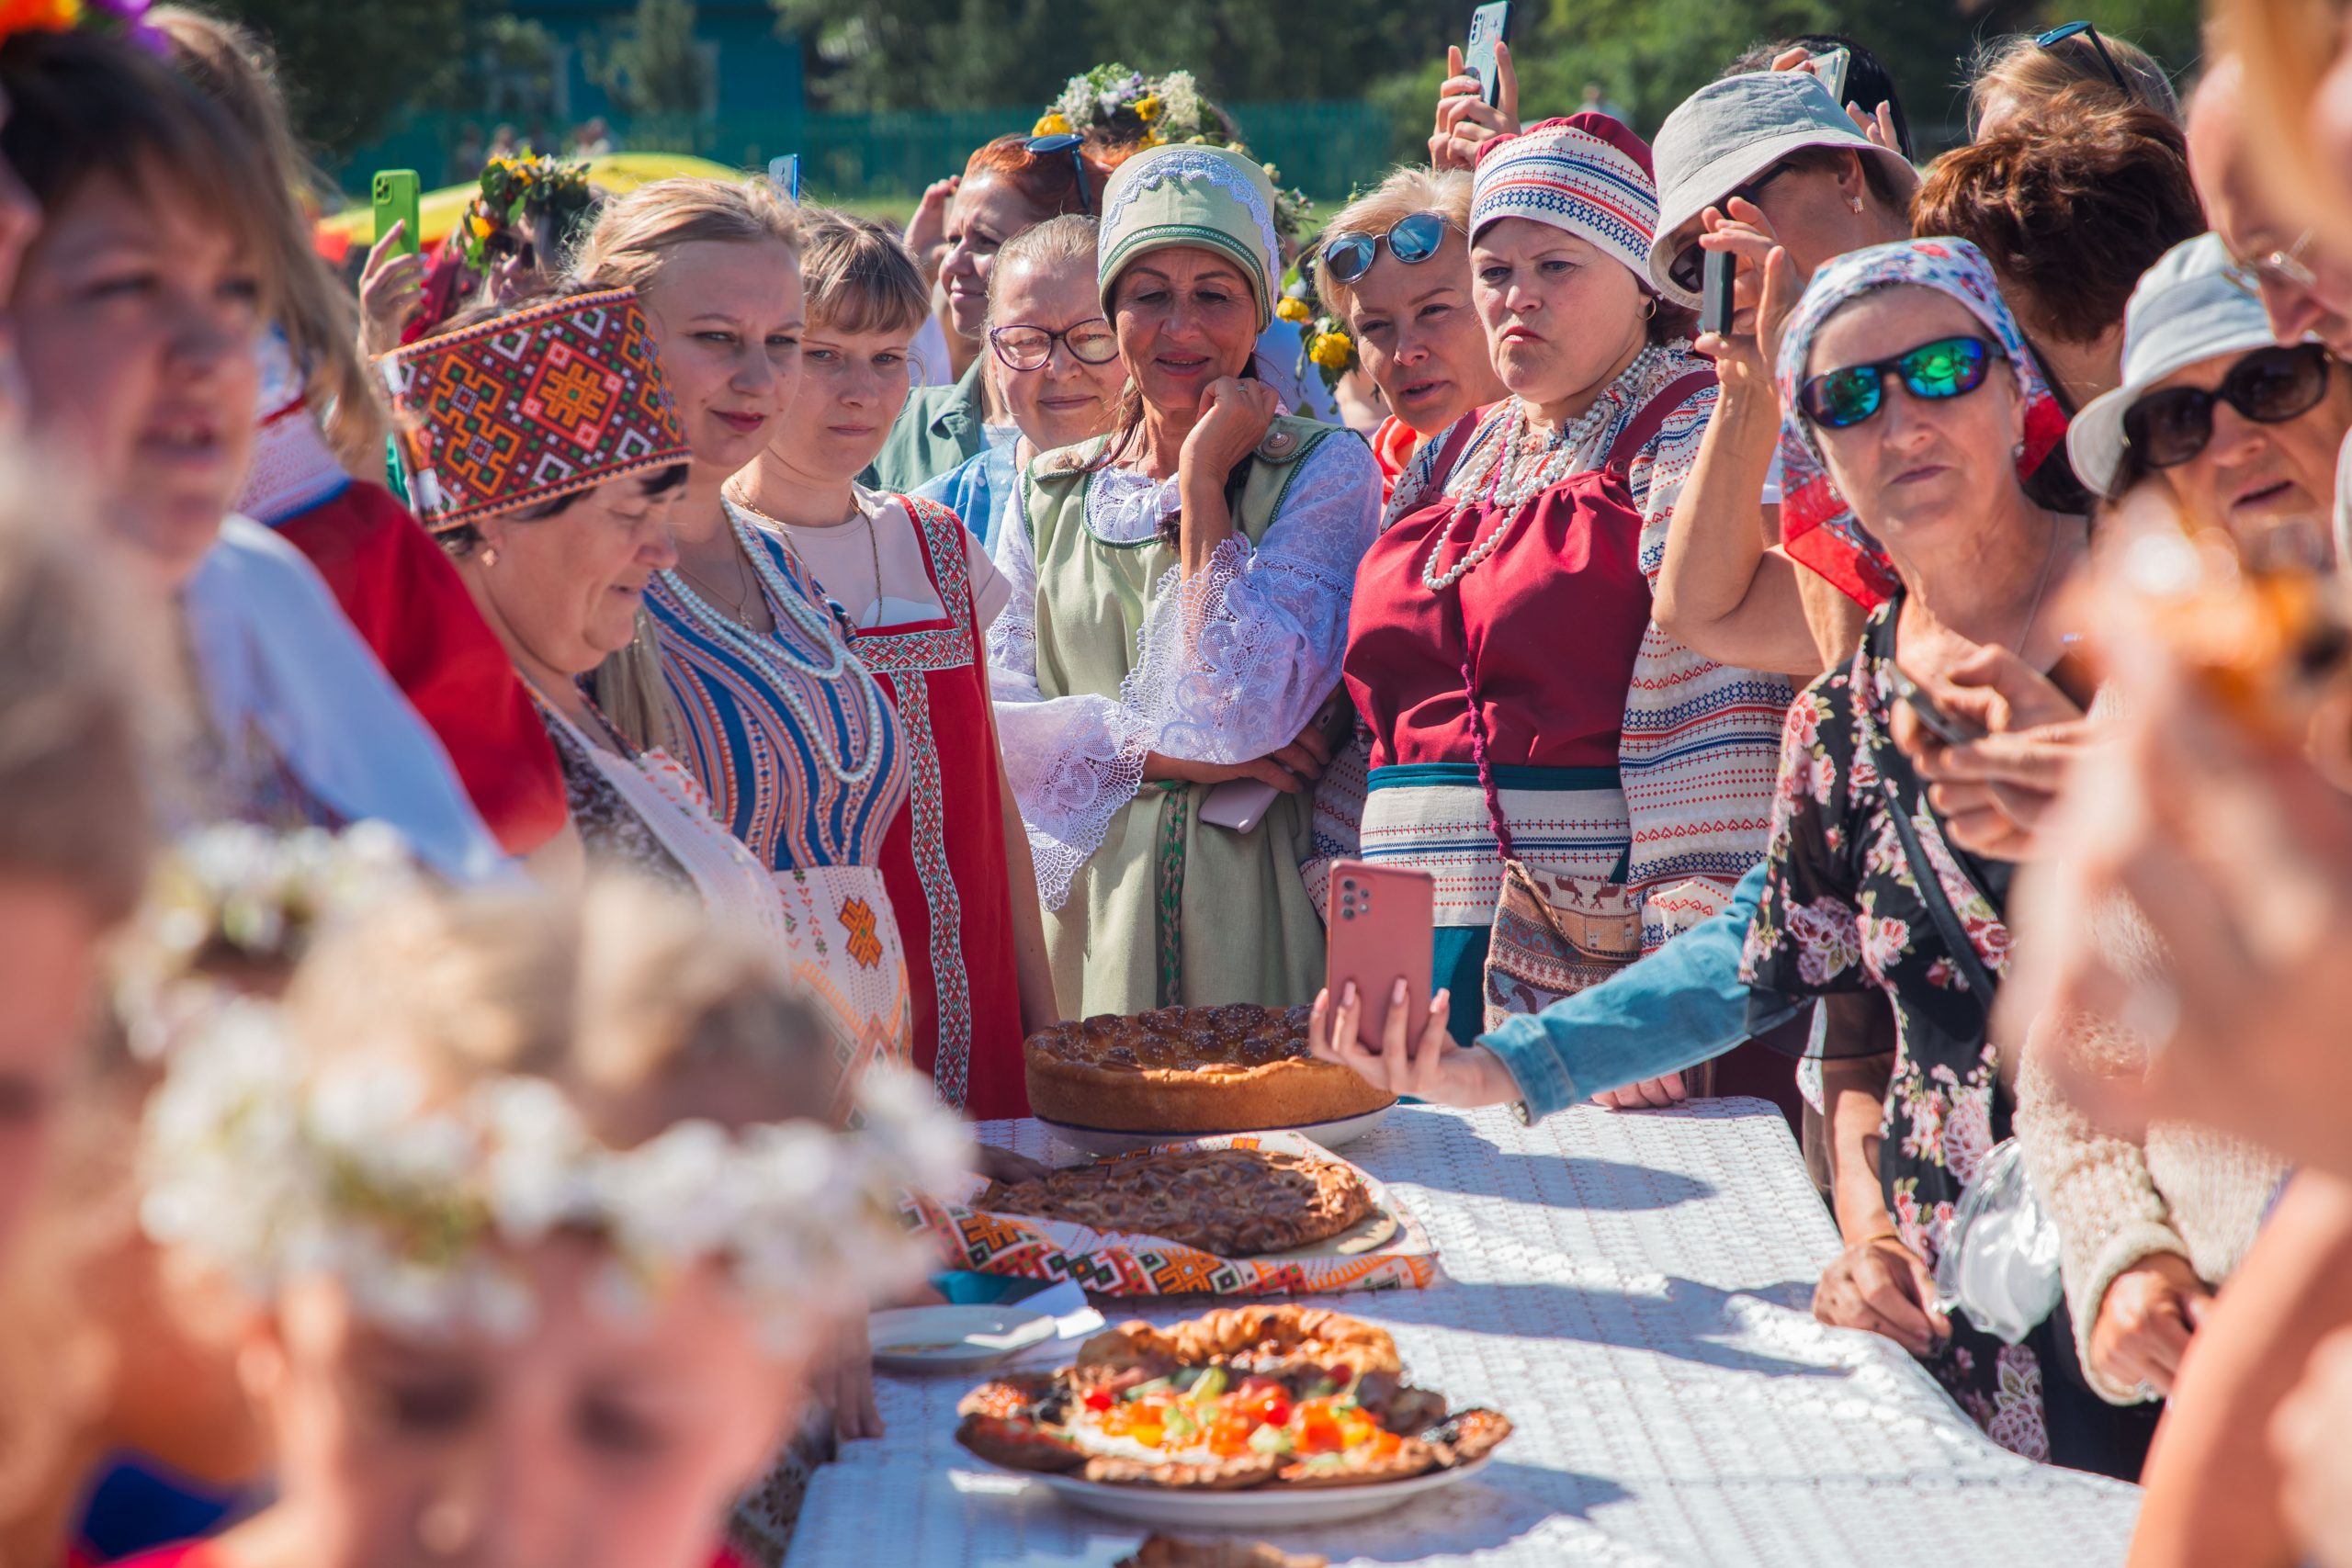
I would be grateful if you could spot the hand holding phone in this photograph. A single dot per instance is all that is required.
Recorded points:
(1946, 726)
(395, 193)
(1381, 928)
(1831, 66)
(1480, 57)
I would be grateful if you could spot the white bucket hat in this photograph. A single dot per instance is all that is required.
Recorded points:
(1731, 130)
(2195, 304)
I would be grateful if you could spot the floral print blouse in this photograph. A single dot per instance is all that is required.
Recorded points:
(1843, 911)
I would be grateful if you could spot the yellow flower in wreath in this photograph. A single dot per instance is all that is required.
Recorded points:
(1148, 107)
(1054, 124)
(1332, 351)
(477, 225)
(1291, 310)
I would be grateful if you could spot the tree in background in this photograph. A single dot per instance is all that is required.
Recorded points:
(348, 66)
(656, 73)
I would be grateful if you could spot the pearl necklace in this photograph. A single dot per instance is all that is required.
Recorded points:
(773, 651)
(1508, 493)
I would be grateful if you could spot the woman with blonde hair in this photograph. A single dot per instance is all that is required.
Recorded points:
(513, 1353)
(917, 590)
(790, 736)
(2012, 75)
(1395, 262)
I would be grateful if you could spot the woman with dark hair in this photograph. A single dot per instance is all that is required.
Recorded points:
(1179, 604)
(138, 312)
(1012, 184)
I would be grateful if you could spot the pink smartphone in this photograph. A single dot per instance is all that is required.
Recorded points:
(1381, 925)
(1239, 803)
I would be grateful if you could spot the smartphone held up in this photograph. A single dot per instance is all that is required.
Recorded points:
(1481, 57)
(1382, 927)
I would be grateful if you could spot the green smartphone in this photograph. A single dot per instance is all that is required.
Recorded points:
(396, 192)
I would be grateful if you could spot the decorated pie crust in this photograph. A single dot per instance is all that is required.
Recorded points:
(1261, 1397)
(1223, 1069)
(1228, 1201)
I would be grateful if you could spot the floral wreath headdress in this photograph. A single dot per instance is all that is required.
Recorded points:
(540, 199)
(1124, 109)
(273, 1166)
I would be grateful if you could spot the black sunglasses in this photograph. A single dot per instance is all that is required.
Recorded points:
(2057, 36)
(1349, 254)
(1947, 367)
(1067, 141)
(1689, 268)
(2269, 386)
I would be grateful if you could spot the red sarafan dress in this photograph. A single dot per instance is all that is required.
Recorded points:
(943, 859)
(412, 609)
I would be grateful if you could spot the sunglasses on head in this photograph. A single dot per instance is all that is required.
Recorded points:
(2269, 386)
(1689, 268)
(1349, 254)
(1067, 141)
(1947, 367)
(2059, 35)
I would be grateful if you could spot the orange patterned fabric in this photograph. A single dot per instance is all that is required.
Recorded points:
(531, 407)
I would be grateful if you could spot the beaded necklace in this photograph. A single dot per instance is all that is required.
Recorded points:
(1509, 482)
(773, 651)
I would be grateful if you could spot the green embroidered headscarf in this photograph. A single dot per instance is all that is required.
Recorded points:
(1192, 194)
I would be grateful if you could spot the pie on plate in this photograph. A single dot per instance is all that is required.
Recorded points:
(1238, 1068)
(1280, 1398)
(1170, 1551)
(1228, 1201)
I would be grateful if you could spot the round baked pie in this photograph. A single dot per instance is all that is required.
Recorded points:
(1237, 1069)
(1231, 1203)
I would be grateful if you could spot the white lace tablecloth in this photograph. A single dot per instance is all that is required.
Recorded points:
(1632, 1290)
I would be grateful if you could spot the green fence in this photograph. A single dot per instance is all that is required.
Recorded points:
(1324, 149)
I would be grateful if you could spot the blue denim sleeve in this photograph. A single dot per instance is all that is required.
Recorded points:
(1681, 1006)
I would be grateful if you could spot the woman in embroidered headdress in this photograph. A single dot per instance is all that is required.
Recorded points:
(916, 588)
(754, 688)
(320, 410)
(1179, 604)
(136, 316)
(533, 1215)
(1917, 414)
(1523, 705)
(546, 457)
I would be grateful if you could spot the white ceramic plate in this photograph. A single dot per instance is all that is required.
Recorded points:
(1101, 1143)
(954, 1338)
(1268, 1507)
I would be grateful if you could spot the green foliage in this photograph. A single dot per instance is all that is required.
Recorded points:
(348, 68)
(650, 64)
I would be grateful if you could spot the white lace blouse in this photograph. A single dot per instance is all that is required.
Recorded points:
(1231, 665)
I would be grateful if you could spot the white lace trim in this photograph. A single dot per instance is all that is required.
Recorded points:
(1201, 164)
(1226, 668)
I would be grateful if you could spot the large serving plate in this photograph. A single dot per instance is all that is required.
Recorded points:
(1084, 1143)
(1260, 1507)
(955, 1339)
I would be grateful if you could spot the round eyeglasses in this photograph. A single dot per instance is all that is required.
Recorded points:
(1024, 347)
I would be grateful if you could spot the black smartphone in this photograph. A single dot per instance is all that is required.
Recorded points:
(1948, 727)
(1489, 24)
(1715, 293)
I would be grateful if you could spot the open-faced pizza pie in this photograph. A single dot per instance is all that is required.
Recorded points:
(1254, 1396)
(1237, 1069)
(1231, 1203)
